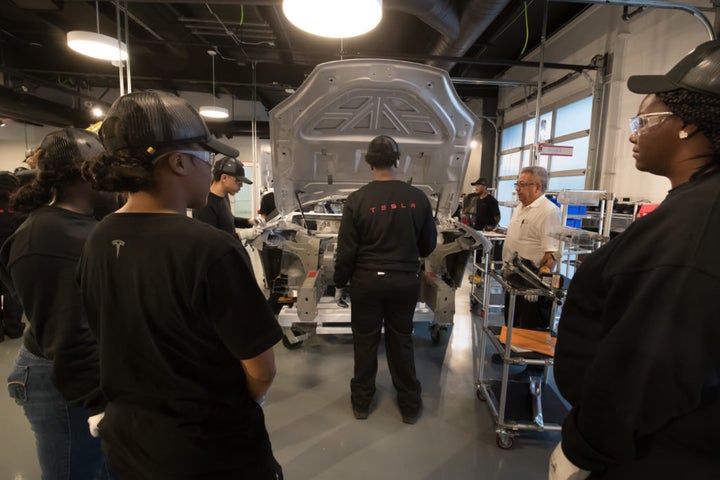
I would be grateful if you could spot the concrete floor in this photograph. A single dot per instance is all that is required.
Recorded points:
(315, 435)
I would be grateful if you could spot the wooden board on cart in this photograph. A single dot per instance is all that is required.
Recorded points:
(534, 340)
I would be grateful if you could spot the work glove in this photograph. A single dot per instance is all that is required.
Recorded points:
(543, 270)
(93, 423)
(531, 298)
(563, 469)
(342, 298)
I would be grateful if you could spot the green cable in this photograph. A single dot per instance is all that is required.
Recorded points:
(527, 34)
(242, 15)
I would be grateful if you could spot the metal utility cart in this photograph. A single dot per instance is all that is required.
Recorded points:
(526, 404)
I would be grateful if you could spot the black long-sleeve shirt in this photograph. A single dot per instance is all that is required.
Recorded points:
(637, 353)
(386, 225)
(218, 214)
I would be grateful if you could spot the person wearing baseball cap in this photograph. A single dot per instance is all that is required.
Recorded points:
(56, 377)
(228, 178)
(185, 332)
(637, 352)
(480, 208)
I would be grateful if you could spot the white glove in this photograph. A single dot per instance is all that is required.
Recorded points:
(531, 298)
(563, 469)
(257, 230)
(259, 221)
(93, 424)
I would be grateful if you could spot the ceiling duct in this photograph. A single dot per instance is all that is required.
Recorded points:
(32, 109)
(475, 19)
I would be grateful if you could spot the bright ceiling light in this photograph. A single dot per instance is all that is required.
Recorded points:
(97, 112)
(473, 144)
(334, 18)
(96, 45)
(213, 111)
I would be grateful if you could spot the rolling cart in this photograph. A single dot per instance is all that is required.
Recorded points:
(527, 404)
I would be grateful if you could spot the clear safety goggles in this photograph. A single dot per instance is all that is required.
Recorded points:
(203, 155)
(644, 121)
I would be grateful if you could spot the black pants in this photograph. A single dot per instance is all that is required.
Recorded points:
(530, 315)
(390, 297)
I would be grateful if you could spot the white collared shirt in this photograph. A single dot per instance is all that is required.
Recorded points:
(527, 233)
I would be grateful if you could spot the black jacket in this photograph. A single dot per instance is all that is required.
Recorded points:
(638, 352)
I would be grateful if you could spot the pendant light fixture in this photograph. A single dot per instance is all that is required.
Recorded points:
(213, 111)
(97, 45)
(334, 18)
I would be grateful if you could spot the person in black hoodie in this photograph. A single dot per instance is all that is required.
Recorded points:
(637, 352)
(56, 373)
(386, 226)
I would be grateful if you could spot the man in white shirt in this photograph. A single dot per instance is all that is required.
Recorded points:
(527, 234)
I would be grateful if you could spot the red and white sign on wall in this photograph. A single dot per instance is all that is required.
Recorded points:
(559, 150)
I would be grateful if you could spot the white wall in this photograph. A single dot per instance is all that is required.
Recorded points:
(649, 43)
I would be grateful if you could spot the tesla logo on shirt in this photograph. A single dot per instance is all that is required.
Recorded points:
(117, 244)
(392, 206)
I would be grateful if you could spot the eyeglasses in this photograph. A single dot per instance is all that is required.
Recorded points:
(523, 184)
(644, 121)
(203, 155)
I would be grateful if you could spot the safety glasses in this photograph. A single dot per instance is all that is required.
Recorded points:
(644, 121)
(202, 155)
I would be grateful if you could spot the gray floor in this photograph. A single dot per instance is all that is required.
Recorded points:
(316, 437)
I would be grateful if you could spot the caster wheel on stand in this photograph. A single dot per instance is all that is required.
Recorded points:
(504, 441)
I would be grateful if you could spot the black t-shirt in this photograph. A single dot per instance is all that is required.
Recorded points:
(482, 210)
(38, 264)
(637, 353)
(217, 213)
(386, 225)
(176, 307)
(9, 221)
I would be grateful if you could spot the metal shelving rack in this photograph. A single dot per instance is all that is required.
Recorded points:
(516, 406)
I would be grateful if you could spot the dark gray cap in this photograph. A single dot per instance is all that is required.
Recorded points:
(698, 71)
(143, 122)
(70, 145)
(231, 166)
(480, 181)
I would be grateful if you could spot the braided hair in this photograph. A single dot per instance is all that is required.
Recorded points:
(701, 110)
(119, 172)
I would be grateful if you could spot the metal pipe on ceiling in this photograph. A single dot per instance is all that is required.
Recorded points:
(695, 12)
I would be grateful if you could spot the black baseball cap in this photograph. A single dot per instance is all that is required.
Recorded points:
(70, 145)
(231, 166)
(698, 71)
(480, 181)
(143, 122)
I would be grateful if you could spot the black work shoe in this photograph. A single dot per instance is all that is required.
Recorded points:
(360, 414)
(411, 419)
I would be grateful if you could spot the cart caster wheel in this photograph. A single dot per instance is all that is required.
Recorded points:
(480, 396)
(504, 441)
(293, 346)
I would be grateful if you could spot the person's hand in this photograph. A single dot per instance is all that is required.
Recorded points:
(93, 423)
(543, 270)
(259, 220)
(341, 298)
(561, 468)
(531, 298)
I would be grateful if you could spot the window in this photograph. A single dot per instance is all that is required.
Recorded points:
(567, 125)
